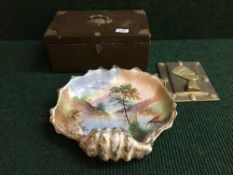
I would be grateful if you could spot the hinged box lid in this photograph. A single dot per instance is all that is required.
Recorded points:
(98, 26)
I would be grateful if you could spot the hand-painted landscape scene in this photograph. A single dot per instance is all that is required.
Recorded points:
(116, 98)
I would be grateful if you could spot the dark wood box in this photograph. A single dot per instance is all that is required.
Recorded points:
(82, 40)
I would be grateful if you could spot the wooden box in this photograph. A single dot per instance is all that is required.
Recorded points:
(82, 40)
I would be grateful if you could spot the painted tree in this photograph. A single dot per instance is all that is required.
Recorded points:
(101, 106)
(122, 94)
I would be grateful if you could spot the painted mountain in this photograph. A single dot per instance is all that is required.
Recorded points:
(80, 104)
(150, 108)
(141, 107)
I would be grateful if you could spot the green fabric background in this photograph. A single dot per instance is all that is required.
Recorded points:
(200, 141)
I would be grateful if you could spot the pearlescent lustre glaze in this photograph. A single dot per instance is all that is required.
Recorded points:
(115, 114)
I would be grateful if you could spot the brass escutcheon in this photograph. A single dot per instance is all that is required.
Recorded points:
(99, 19)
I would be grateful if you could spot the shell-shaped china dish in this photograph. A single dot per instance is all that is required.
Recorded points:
(115, 114)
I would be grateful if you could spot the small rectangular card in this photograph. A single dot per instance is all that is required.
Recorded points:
(122, 30)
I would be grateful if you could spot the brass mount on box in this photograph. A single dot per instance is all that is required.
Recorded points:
(188, 81)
